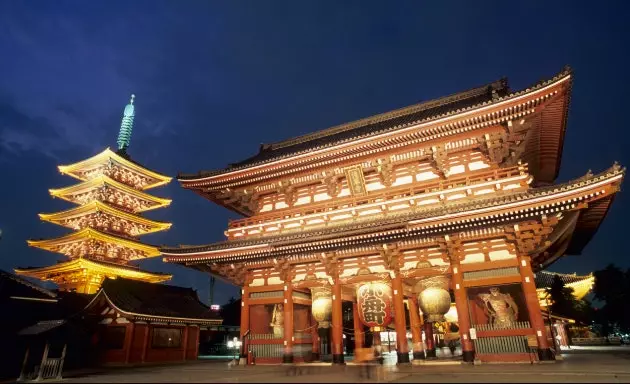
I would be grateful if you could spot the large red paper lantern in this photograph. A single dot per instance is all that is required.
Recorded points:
(375, 305)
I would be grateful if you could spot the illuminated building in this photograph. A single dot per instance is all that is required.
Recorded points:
(107, 220)
(455, 195)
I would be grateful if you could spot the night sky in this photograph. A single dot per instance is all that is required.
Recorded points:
(214, 79)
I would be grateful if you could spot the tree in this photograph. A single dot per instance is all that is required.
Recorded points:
(563, 302)
(612, 286)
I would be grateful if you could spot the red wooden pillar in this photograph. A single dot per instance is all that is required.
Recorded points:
(337, 323)
(416, 330)
(399, 321)
(244, 322)
(533, 307)
(145, 343)
(287, 356)
(185, 343)
(129, 341)
(195, 354)
(359, 338)
(463, 314)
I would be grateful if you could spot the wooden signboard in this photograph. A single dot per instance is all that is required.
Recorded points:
(356, 182)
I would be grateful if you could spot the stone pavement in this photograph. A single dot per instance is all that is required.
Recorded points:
(605, 366)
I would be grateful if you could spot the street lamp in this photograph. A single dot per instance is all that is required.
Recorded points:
(235, 345)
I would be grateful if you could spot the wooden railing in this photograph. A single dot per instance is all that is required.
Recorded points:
(502, 344)
(416, 188)
(494, 327)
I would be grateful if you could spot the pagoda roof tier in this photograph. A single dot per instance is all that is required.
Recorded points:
(112, 270)
(424, 124)
(92, 243)
(107, 190)
(583, 201)
(138, 300)
(119, 167)
(104, 217)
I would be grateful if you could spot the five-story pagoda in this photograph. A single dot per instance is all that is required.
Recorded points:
(107, 221)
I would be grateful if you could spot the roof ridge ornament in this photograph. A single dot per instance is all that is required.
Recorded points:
(126, 126)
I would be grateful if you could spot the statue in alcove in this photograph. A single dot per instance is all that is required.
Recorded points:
(500, 307)
(277, 321)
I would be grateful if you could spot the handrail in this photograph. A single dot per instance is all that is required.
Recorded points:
(416, 188)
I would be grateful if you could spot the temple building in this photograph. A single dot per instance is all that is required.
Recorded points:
(107, 220)
(450, 200)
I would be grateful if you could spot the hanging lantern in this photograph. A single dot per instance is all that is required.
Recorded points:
(434, 298)
(374, 300)
(321, 306)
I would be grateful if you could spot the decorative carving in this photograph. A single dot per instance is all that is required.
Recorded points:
(391, 257)
(528, 237)
(495, 146)
(385, 171)
(289, 192)
(451, 248)
(332, 183)
(439, 159)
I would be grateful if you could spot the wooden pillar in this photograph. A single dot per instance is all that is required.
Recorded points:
(533, 307)
(24, 364)
(287, 356)
(145, 343)
(429, 339)
(463, 314)
(359, 335)
(400, 324)
(197, 336)
(416, 330)
(185, 343)
(43, 363)
(244, 322)
(129, 341)
(337, 323)
(63, 358)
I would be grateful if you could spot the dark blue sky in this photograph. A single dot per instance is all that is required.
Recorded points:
(214, 79)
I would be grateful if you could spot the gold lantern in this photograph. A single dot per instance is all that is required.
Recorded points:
(434, 298)
(321, 306)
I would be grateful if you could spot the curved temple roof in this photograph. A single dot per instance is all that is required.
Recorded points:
(455, 104)
(420, 223)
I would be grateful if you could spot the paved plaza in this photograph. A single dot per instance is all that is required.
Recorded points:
(604, 365)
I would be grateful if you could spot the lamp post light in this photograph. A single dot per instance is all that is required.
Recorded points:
(235, 345)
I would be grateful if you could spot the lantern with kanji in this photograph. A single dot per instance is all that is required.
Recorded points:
(375, 305)
(321, 306)
(434, 298)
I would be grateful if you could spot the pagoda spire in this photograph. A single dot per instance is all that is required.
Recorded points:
(126, 126)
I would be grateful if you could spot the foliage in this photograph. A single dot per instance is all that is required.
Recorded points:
(563, 303)
(231, 312)
(612, 286)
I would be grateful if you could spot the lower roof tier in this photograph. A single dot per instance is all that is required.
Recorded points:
(139, 300)
(86, 276)
(92, 243)
(569, 214)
